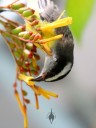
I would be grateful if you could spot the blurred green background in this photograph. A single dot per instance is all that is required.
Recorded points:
(76, 105)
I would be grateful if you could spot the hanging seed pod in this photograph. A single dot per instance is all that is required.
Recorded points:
(19, 29)
(17, 5)
(28, 12)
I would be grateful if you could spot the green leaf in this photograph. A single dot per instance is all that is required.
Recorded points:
(80, 11)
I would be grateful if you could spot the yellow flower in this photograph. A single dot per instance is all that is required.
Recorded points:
(37, 90)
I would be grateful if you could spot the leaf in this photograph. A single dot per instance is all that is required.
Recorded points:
(80, 11)
(24, 92)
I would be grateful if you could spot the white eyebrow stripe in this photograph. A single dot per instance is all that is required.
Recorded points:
(64, 71)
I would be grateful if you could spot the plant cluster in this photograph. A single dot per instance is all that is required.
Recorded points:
(23, 41)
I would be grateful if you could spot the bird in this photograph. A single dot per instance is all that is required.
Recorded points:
(57, 66)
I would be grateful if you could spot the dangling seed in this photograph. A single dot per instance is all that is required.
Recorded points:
(17, 30)
(17, 6)
(28, 13)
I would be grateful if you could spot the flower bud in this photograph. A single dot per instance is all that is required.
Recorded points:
(35, 22)
(21, 69)
(27, 53)
(34, 49)
(29, 45)
(38, 68)
(21, 10)
(17, 6)
(28, 13)
(32, 36)
(37, 57)
(37, 36)
(34, 17)
(17, 30)
(25, 34)
(35, 73)
(27, 63)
